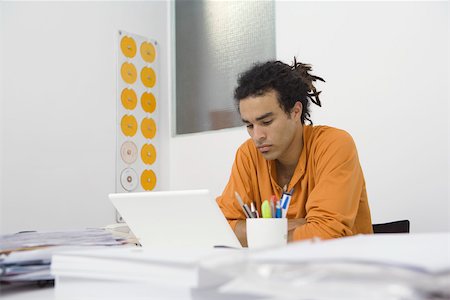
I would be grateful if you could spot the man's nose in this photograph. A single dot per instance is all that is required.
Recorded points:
(259, 133)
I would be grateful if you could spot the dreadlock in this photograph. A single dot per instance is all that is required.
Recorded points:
(291, 83)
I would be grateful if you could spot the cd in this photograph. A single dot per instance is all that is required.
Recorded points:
(148, 180)
(148, 154)
(128, 152)
(148, 77)
(128, 46)
(148, 102)
(128, 72)
(148, 128)
(128, 125)
(148, 52)
(129, 179)
(129, 98)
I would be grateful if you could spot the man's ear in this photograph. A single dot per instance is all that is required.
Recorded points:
(297, 110)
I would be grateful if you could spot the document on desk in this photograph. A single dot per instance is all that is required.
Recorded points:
(422, 252)
(358, 267)
(138, 272)
(178, 267)
(32, 239)
(27, 256)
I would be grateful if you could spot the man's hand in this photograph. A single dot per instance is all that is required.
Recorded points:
(241, 232)
(292, 225)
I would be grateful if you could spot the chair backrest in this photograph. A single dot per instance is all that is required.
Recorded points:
(401, 226)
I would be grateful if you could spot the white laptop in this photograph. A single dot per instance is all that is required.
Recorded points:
(175, 219)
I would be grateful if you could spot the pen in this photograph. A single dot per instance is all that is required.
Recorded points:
(285, 200)
(282, 195)
(278, 210)
(244, 206)
(255, 213)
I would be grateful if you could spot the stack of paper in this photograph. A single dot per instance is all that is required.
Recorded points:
(395, 266)
(137, 273)
(27, 256)
(391, 266)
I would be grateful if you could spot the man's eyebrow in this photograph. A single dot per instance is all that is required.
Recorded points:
(269, 114)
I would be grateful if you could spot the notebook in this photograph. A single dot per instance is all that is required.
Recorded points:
(189, 218)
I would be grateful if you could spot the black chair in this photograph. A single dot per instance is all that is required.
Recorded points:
(392, 227)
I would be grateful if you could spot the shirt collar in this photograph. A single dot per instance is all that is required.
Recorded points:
(301, 165)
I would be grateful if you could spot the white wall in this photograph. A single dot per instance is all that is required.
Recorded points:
(204, 160)
(59, 108)
(387, 72)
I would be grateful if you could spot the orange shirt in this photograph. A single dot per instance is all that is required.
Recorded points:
(329, 187)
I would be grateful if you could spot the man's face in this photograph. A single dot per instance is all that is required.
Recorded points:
(271, 129)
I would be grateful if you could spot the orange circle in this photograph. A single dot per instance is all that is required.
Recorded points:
(128, 72)
(148, 102)
(148, 154)
(148, 128)
(128, 46)
(129, 98)
(148, 52)
(148, 77)
(128, 125)
(148, 180)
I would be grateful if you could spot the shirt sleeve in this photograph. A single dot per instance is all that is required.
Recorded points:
(332, 205)
(240, 180)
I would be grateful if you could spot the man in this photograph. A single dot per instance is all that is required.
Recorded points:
(319, 163)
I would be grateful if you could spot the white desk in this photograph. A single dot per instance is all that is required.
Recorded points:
(27, 292)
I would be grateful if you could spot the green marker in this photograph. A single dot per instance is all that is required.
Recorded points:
(265, 209)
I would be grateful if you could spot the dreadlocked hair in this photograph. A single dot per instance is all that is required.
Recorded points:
(291, 83)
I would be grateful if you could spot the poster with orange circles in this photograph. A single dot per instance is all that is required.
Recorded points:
(137, 165)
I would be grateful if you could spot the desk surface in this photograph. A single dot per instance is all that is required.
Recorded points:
(26, 292)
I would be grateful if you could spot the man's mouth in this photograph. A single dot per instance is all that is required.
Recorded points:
(264, 148)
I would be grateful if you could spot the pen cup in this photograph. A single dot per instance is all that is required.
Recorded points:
(266, 232)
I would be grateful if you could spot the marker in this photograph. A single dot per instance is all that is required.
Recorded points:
(278, 210)
(244, 206)
(265, 209)
(285, 201)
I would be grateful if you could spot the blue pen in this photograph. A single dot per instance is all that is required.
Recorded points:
(278, 210)
(285, 201)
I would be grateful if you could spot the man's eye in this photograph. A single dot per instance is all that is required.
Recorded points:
(249, 126)
(265, 123)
